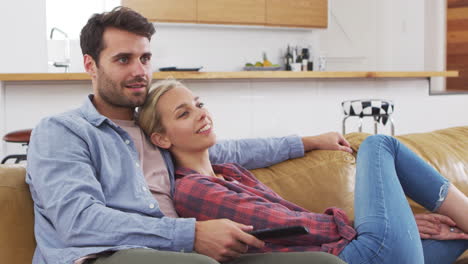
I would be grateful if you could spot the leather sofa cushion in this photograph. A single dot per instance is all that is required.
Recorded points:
(17, 241)
(320, 180)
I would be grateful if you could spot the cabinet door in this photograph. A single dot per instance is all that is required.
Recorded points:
(231, 11)
(165, 10)
(297, 13)
(457, 44)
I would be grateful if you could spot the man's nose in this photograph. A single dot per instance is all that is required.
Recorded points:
(139, 69)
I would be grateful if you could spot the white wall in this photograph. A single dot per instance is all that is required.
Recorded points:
(350, 41)
(23, 46)
(375, 35)
(224, 48)
(215, 47)
(406, 35)
(435, 30)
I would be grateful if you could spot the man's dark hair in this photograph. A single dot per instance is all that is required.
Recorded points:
(124, 18)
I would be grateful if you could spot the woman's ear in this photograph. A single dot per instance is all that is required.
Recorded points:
(160, 140)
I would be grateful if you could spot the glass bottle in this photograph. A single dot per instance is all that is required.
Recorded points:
(288, 59)
(305, 59)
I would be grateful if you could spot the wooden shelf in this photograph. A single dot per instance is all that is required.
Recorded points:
(233, 75)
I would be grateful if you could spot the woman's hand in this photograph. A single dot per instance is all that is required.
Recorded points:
(327, 141)
(439, 227)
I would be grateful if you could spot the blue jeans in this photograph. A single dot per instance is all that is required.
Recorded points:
(386, 170)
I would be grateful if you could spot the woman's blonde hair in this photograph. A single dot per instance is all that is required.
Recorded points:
(147, 117)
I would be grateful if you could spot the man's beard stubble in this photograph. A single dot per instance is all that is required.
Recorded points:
(112, 93)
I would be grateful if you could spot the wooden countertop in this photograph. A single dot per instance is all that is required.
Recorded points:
(235, 75)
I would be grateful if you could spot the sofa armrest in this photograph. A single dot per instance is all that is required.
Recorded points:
(17, 241)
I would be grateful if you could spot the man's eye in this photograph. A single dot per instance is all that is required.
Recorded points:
(123, 60)
(145, 59)
(200, 105)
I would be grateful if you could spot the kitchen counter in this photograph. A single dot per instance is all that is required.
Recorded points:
(236, 75)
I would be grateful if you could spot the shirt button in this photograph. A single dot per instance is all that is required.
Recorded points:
(127, 141)
(137, 164)
(151, 206)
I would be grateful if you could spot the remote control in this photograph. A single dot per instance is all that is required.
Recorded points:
(279, 232)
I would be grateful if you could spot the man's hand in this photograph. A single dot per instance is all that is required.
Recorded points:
(223, 239)
(439, 227)
(327, 141)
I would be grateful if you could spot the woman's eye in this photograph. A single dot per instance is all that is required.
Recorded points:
(200, 105)
(185, 113)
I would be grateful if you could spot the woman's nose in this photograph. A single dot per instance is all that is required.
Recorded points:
(203, 114)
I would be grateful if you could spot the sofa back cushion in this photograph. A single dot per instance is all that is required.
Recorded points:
(326, 178)
(319, 180)
(17, 242)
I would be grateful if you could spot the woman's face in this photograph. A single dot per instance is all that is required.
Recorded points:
(188, 125)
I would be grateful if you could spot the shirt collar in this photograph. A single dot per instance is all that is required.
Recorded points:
(90, 113)
(228, 170)
(182, 171)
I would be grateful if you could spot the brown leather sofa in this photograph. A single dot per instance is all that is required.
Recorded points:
(319, 180)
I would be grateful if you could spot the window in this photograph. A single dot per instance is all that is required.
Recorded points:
(71, 15)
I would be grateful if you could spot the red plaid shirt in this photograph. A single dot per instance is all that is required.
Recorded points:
(244, 199)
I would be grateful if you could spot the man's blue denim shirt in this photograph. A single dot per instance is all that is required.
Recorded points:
(87, 185)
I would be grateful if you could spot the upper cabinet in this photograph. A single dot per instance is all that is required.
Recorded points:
(296, 13)
(165, 10)
(232, 11)
(457, 44)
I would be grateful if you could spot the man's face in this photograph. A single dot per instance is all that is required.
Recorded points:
(124, 72)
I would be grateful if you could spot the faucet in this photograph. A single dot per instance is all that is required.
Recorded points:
(66, 63)
(59, 30)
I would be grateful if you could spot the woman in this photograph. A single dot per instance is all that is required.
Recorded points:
(385, 230)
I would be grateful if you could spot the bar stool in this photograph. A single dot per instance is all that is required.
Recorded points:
(380, 110)
(18, 136)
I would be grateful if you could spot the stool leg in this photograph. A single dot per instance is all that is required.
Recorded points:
(376, 123)
(360, 124)
(344, 124)
(392, 126)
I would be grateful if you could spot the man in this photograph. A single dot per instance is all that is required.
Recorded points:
(102, 193)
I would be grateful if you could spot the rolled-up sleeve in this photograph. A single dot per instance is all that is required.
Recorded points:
(258, 152)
